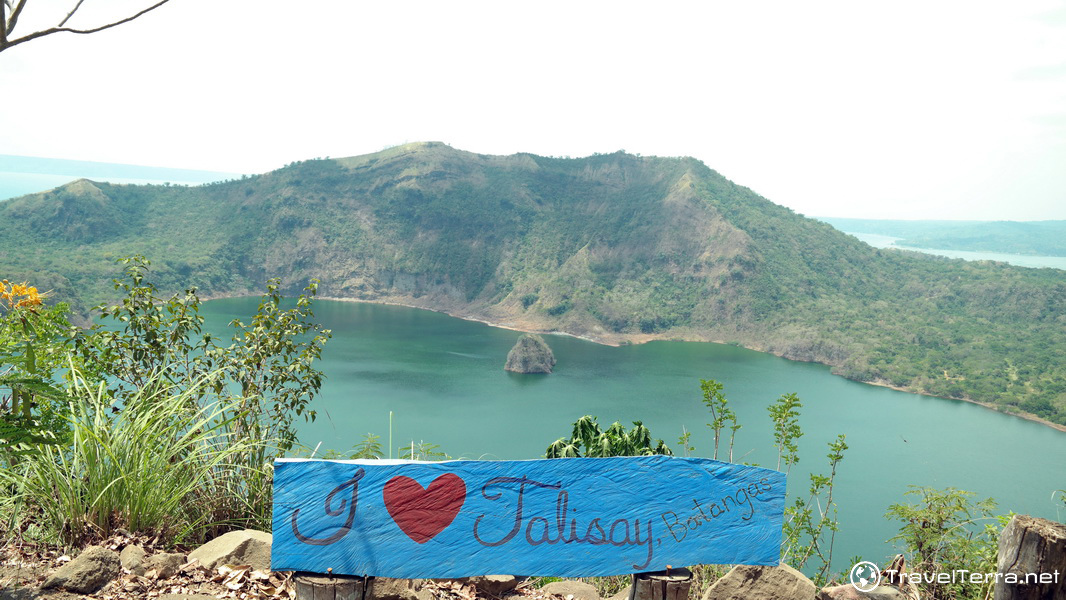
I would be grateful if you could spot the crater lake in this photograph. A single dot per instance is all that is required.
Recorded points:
(443, 382)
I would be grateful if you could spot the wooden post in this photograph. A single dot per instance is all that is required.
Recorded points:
(671, 584)
(1031, 545)
(315, 586)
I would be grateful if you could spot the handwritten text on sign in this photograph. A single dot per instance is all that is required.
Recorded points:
(564, 517)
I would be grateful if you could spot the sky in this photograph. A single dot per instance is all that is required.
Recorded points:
(895, 110)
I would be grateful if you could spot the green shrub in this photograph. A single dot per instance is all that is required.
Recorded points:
(152, 424)
(140, 464)
(588, 439)
(942, 532)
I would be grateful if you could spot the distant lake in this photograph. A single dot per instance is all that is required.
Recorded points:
(443, 380)
(1021, 260)
(13, 185)
(21, 175)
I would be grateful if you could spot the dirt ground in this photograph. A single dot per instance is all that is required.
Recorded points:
(23, 568)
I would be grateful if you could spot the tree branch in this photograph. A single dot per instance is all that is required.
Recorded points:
(6, 43)
(70, 14)
(14, 18)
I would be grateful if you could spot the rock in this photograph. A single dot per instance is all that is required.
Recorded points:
(624, 594)
(245, 547)
(530, 355)
(132, 559)
(893, 585)
(493, 585)
(91, 570)
(848, 592)
(165, 565)
(747, 582)
(579, 590)
(387, 588)
(19, 593)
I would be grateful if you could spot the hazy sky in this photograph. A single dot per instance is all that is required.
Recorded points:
(852, 109)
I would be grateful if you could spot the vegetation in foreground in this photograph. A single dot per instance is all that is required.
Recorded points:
(144, 422)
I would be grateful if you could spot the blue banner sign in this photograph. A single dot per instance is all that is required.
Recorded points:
(569, 517)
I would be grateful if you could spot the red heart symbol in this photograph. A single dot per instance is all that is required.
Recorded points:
(423, 513)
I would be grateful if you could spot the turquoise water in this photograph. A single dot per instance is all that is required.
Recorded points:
(443, 380)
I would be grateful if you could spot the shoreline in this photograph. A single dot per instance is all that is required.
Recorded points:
(989, 406)
(645, 338)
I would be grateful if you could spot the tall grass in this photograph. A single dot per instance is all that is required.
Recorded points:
(153, 463)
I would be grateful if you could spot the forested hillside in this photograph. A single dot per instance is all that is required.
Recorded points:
(614, 247)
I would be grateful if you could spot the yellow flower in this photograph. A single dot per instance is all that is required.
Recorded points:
(19, 295)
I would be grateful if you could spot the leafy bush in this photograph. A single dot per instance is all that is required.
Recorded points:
(170, 431)
(29, 334)
(588, 438)
(942, 532)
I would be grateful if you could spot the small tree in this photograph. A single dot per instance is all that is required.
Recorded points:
(785, 415)
(268, 367)
(942, 532)
(266, 378)
(721, 414)
(810, 525)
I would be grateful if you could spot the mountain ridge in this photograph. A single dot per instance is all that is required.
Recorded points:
(612, 247)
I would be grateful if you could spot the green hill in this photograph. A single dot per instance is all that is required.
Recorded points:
(613, 247)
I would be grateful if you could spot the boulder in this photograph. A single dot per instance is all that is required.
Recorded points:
(493, 585)
(577, 589)
(19, 593)
(530, 355)
(387, 588)
(849, 592)
(748, 582)
(165, 565)
(245, 547)
(893, 585)
(132, 559)
(91, 570)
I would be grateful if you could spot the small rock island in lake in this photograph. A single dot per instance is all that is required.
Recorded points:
(530, 355)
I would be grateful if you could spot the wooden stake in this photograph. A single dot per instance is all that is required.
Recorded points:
(312, 586)
(671, 584)
(1027, 546)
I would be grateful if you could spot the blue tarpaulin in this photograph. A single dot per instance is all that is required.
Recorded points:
(571, 517)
